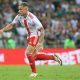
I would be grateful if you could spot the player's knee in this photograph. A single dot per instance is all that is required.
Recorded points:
(29, 52)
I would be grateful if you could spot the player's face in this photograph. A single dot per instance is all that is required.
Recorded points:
(23, 10)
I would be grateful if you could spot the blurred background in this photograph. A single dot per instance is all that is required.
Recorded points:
(60, 19)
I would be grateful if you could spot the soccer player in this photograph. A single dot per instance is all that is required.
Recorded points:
(35, 35)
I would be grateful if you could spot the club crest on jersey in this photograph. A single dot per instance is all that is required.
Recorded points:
(21, 17)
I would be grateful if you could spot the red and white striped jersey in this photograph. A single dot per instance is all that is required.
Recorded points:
(31, 23)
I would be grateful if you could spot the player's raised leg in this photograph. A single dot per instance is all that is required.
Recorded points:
(48, 57)
(45, 56)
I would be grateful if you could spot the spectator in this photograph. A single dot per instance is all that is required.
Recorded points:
(74, 23)
(78, 2)
(77, 37)
(10, 43)
(69, 43)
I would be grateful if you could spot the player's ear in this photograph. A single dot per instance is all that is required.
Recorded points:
(27, 8)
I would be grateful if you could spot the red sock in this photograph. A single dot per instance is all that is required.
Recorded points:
(44, 57)
(32, 62)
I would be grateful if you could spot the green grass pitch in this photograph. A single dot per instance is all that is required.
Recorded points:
(44, 72)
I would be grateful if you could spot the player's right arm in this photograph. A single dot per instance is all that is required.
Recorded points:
(10, 26)
(6, 28)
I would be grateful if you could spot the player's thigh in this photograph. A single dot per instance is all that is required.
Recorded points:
(38, 48)
(30, 49)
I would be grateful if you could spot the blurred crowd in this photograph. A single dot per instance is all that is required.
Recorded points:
(60, 19)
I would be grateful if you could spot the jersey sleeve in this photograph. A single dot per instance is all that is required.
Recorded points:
(16, 19)
(37, 22)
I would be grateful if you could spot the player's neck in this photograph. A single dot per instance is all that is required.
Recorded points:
(25, 15)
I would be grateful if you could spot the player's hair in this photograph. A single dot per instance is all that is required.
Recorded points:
(24, 4)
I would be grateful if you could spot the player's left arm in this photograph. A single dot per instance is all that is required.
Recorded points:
(41, 29)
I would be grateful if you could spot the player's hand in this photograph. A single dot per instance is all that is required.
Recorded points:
(1, 31)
